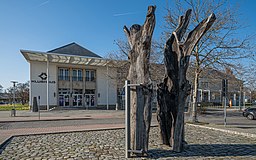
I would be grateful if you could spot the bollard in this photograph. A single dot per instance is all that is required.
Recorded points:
(13, 113)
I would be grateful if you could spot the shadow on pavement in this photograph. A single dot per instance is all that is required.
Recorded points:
(245, 127)
(208, 150)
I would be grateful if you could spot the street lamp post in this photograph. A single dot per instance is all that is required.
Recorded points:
(251, 98)
(13, 112)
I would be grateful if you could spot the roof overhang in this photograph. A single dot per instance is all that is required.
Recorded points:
(68, 59)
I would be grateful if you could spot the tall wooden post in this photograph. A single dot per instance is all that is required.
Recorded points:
(139, 38)
(173, 91)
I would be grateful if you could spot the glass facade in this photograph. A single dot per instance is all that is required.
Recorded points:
(64, 95)
(64, 74)
(90, 75)
(77, 75)
(74, 94)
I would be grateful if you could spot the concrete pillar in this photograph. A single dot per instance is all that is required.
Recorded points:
(47, 83)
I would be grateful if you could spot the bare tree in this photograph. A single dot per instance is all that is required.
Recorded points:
(247, 75)
(21, 92)
(122, 64)
(156, 54)
(1, 88)
(9, 92)
(220, 47)
(121, 55)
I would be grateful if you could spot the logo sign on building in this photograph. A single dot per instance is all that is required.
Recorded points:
(43, 77)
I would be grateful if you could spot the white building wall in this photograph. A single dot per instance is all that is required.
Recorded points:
(103, 82)
(39, 87)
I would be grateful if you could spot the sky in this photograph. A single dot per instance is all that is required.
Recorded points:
(43, 25)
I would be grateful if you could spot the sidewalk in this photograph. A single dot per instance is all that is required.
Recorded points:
(27, 116)
(7, 134)
(5, 116)
(109, 144)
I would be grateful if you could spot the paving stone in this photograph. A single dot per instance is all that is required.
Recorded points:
(109, 144)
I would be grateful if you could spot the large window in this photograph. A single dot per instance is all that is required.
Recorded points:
(64, 74)
(64, 97)
(90, 75)
(77, 75)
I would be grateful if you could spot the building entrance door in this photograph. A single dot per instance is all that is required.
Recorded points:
(64, 100)
(77, 100)
(89, 100)
(206, 96)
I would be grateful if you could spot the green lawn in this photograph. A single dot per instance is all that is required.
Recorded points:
(8, 107)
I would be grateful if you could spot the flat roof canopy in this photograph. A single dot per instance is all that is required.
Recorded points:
(69, 59)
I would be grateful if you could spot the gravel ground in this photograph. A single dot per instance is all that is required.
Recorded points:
(109, 144)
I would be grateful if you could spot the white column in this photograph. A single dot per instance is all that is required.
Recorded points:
(201, 95)
(234, 100)
(107, 88)
(209, 96)
(220, 96)
(240, 98)
(47, 84)
(244, 101)
(30, 90)
(250, 96)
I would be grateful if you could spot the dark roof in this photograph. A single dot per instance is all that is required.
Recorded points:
(217, 74)
(74, 49)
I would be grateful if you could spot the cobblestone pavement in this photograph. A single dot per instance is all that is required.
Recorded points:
(58, 121)
(109, 144)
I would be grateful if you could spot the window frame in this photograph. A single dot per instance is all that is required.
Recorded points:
(77, 75)
(63, 74)
(90, 75)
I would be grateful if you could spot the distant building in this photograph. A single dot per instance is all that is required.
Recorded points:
(74, 77)
(71, 76)
(210, 87)
(4, 98)
(210, 84)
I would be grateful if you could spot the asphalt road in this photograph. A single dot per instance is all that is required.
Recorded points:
(59, 123)
(234, 118)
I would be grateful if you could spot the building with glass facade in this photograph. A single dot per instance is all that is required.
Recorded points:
(71, 76)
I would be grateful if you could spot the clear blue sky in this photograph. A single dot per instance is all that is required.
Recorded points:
(42, 25)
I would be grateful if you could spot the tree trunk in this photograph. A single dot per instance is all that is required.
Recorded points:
(194, 100)
(175, 88)
(139, 38)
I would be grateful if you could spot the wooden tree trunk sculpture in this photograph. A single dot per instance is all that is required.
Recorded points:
(173, 91)
(139, 38)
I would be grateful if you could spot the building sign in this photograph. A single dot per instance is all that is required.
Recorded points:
(43, 77)
(41, 81)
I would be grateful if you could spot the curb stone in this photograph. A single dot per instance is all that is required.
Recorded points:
(5, 143)
(42, 119)
(225, 130)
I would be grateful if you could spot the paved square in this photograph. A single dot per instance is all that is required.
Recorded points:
(109, 144)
